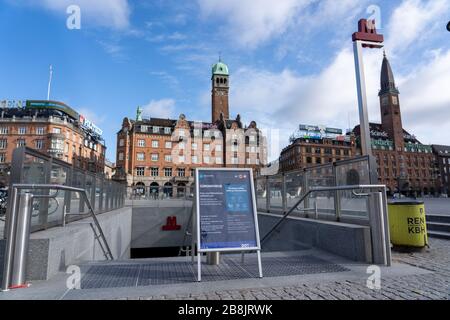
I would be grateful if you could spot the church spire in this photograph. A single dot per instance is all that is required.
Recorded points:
(387, 80)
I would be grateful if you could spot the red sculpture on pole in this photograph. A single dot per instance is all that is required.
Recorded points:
(367, 32)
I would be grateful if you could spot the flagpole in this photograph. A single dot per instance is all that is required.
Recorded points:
(50, 83)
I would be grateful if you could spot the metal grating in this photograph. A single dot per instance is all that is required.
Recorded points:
(161, 273)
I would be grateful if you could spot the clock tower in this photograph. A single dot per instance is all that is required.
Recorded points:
(391, 118)
(220, 89)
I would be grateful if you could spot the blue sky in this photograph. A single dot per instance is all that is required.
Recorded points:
(291, 61)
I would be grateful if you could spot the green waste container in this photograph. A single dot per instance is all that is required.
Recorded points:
(407, 223)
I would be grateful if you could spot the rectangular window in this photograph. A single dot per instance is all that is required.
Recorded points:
(155, 172)
(218, 160)
(192, 172)
(168, 158)
(155, 157)
(252, 138)
(155, 144)
(39, 144)
(20, 143)
(2, 157)
(207, 147)
(144, 128)
(206, 159)
(121, 142)
(168, 145)
(155, 129)
(3, 143)
(4, 130)
(194, 159)
(249, 161)
(56, 130)
(40, 130)
(181, 159)
(167, 172)
(234, 160)
(181, 145)
(22, 130)
(167, 130)
(120, 156)
(197, 132)
(140, 171)
(219, 148)
(141, 143)
(181, 133)
(140, 156)
(194, 146)
(181, 172)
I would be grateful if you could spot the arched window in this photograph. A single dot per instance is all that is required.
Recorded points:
(168, 190)
(154, 190)
(139, 189)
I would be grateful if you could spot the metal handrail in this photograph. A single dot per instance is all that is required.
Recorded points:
(10, 238)
(314, 190)
(108, 253)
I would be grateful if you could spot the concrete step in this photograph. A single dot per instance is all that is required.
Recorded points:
(439, 234)
(438, 218)
(438, 226)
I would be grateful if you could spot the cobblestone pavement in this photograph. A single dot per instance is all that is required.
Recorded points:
(431, 286)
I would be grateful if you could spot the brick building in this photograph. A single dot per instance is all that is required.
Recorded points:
(442, 158)
(403, 161)
(314, 145)
(154, 153)
(53, 128)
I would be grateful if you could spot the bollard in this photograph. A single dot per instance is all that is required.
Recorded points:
(19, 266)
(213, 258)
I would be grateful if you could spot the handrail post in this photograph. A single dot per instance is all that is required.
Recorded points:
(22, 238)
(306, 187)
(10, 233)
(267, 194)
(283, 192)
(337, 194)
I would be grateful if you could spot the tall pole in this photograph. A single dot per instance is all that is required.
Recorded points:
(366, 147)
(366, 37)
(50, 83)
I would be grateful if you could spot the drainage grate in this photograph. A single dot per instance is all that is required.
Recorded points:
(158, 273)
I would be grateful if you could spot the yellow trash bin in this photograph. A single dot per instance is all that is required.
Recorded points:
(407, 223)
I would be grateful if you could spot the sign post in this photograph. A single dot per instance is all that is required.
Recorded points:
(226, 214)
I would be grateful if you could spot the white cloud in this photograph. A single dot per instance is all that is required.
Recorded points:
(164, 108)
(107, 13)
(92, 116)
(283, 100)
(414, 21)
(253, 22)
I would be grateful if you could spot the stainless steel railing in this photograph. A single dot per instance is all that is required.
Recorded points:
(277, 193)
(29, 166)
(18, 229)
(378, 220)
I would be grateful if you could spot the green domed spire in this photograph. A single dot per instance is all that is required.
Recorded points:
(220, 68)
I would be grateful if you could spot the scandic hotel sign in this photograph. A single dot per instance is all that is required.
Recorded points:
(89, 125)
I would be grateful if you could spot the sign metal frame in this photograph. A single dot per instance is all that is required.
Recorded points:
(197, 230)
